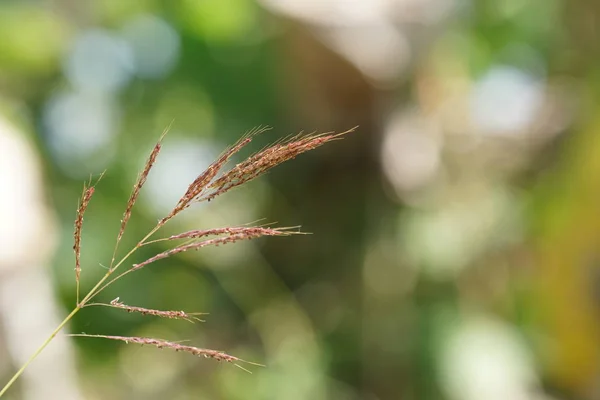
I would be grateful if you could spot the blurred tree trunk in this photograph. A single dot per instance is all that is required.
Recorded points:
(569, 249)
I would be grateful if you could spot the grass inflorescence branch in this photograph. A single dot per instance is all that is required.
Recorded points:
(86, 197)
(136, 191)
(209, 184)
(187, 316)
(164, 344)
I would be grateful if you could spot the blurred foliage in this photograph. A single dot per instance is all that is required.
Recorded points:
(454, 251)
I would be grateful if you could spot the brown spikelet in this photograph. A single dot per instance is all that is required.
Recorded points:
(197, 187)
(266, 159)
(159, 343)
(190, 317)
(85, 200)
(196, 234)
(137, 188)
(86, 196)
(235, 235)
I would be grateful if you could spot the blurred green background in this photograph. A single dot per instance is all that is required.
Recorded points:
(455, 247)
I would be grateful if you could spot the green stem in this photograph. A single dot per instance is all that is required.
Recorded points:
(92, 293)
(52, 335)
(39, 350)
(79, 306)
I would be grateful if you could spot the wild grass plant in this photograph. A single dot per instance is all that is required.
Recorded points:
(211, 183)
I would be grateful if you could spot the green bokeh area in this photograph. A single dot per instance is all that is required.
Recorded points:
(453, 246)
